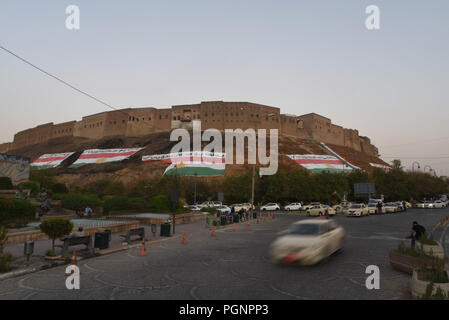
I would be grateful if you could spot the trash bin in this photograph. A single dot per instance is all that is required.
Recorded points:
(101, 240)
(236, 218)
(166, 229)
(223, 220)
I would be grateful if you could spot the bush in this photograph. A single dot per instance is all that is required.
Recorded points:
(123, 203)
(60, 188)
(45, 178)
(425, 239)
(5, 183)
(32, 186)
(76, 201)
(161, 203)
(434, 273)
(16, 210)
(6, 259)
(56, 228)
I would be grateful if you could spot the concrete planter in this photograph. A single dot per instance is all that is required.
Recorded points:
(418, 287)
(437, 250)
(405, 263)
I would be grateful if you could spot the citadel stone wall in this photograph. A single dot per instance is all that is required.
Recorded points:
(135, 122)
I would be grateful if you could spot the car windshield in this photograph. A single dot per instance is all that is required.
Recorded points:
(305, 229)
(372, 205)
(389, 204)
(356, 206)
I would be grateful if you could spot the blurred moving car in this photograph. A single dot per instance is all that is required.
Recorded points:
(307, 242)
(294, 206)
(270, 207)
(223, 209)
(357, 210)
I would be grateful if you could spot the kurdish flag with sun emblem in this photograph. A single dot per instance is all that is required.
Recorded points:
(47, 161)
(320, 163)
(197, 163)
(99, 156)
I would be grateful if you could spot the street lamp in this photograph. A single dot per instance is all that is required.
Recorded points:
(413, 166)
(427, 166)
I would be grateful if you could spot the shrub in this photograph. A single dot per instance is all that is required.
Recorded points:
(215, 223)
(6, 259)
(5, 183)
(56, 228)
(45, 178)
(16, 210)
(32, 186)
(433, 273)
(76, 201)
(3, 237)
(425, 239)
(160, 202)
(60, 188)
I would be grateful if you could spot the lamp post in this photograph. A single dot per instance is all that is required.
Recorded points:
(413, 166)
(427, 166)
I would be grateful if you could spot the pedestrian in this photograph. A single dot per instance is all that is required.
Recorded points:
(207, 221)
(88, 212)
(404, 204)
(417, 232)
(379, 207)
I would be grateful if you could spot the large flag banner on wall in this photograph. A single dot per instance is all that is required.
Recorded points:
(14, 167)
(100, 156)
(47, 161)
(319, 163)
(329, 149)
(197, 163)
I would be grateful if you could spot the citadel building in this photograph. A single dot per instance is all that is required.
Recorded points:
(134, 122)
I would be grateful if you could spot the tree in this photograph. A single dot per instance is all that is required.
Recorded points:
(56, 228)
(397, 165)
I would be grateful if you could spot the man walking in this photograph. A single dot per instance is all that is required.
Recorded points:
(417, 232)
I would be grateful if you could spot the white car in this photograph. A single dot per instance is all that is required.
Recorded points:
(193, 207)
(307, 242)
(439, 204)
(270, 207)
(223, 209)
(357, 210)
(216, 204)
(295, 206)
(429, 205)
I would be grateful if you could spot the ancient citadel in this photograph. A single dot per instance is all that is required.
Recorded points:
(134, 122)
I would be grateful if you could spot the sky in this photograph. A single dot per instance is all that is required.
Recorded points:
(391, 84)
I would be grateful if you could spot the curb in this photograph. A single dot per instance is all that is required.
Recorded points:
(14, 274)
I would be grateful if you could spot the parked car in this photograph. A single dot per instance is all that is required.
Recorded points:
(193, 207)
(439, 204)
(216, 204)
(294, 206)
(223, 209)
(307, 242)
(270, 207)
(420, 204)
(207, 204)
(329, 210)
(373, 208)
(342, 207)
(357, 210)
(317, 210)
(429, 205)
(310, 206)
(400, 206)
(247, 206)
(391, 207)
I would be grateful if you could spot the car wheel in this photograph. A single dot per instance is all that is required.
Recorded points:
(320, 214)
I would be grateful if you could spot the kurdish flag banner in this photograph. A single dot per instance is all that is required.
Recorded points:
(353, 166)
(197, 163)
(320, 163)
(47, 161)
(99, 156)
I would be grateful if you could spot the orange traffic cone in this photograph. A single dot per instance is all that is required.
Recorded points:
(234, 227)
(213, 232)
(249, 224)
(143, 251)
(73, 258)
(184, 239)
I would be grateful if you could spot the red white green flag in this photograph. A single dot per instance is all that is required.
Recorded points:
(100, 156)
(47, 161)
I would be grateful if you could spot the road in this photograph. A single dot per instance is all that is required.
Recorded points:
(235, 265)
